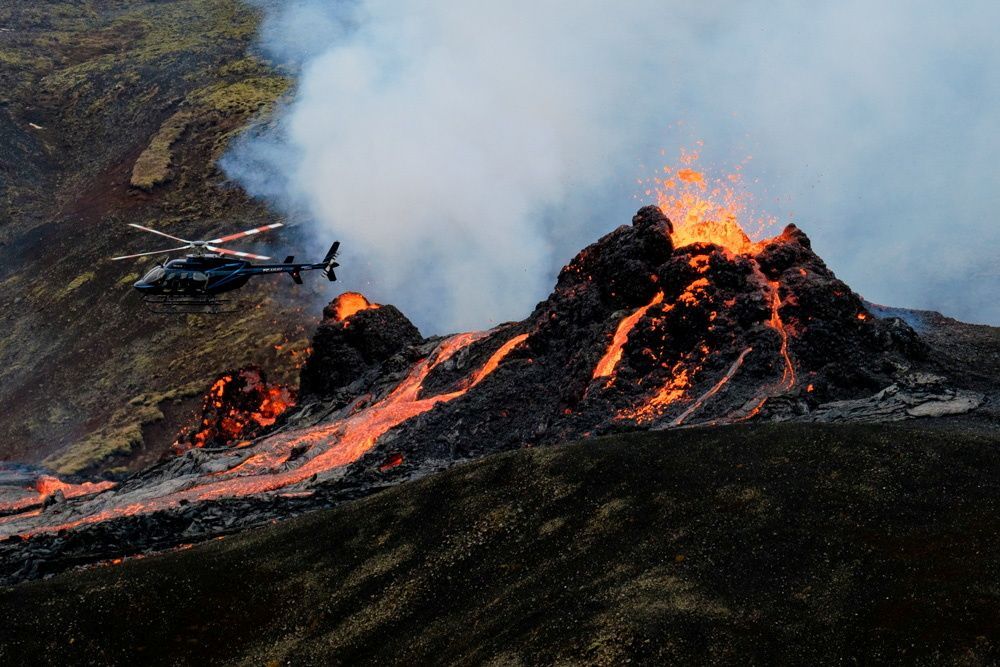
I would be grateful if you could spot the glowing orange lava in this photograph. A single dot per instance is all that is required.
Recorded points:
(714, 390)
(674, 389)
(776, 323)
(234, 408)
(46, 485)
(350, 303)
(328, 445)
(704, 210)
(498, 356)
(606, 366)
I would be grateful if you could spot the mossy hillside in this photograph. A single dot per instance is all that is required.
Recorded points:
(153, 166)
(122, 433)
(110, 82)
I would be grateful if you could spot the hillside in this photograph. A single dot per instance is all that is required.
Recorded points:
(752, 543)
(114, 112)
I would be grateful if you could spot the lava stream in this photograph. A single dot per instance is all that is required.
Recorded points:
(788, 374)
(606, 366)
(674, 389)
(338, 443)
(46, 485)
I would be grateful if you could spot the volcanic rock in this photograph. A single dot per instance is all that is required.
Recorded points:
(236, 408)
(345, 347)
(637, 334)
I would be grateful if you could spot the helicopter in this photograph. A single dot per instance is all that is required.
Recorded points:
(193, 284)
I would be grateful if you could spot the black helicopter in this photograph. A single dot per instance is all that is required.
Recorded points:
(193, 284)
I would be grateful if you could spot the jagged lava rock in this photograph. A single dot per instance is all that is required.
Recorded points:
(345, 346)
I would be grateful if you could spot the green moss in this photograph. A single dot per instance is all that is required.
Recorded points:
(106, 79)
(153, 166)
(74, 284)
(127, 279)
(121, 436)
(246, 96)
(104, 444)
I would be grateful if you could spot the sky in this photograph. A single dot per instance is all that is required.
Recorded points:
(463, 152)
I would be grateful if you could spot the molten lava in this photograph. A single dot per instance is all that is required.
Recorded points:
(673, 390)
(47, 485)
(494, 360)
(327, 446)
(350, 303)
(234, 409)
(776, 323)
(606, 366)
(681, 418)
(707, 211)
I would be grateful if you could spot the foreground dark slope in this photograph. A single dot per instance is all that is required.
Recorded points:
(801, 542)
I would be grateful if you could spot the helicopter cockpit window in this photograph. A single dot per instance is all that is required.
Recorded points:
(154, 276)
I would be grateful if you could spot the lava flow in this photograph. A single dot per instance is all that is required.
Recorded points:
(330, 446)
(776, 323)
(47, 486)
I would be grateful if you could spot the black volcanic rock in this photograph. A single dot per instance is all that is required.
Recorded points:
(779, 321)
(343, 350)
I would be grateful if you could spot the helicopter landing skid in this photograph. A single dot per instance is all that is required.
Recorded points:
(187, 304)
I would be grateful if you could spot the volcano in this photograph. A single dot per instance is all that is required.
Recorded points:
(654, 326)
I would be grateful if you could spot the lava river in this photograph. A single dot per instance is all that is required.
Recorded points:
(284, 459)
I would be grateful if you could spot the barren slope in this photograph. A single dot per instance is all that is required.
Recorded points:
(794, 542)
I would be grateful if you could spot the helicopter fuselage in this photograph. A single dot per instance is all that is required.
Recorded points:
(208, 275)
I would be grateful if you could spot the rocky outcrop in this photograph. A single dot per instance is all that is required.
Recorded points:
(345, 349)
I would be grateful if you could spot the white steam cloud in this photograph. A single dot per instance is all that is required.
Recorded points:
(463, 151)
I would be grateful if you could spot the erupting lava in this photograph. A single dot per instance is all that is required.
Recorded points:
(350, 303)
(707, 210)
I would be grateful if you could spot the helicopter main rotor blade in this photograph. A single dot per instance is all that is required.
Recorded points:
(154, 252)
(236, 253)
(249, 232)
(154, 231)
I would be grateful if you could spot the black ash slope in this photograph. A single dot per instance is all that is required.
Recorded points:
(754, 543)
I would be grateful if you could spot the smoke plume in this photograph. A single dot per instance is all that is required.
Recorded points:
(463, 151)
